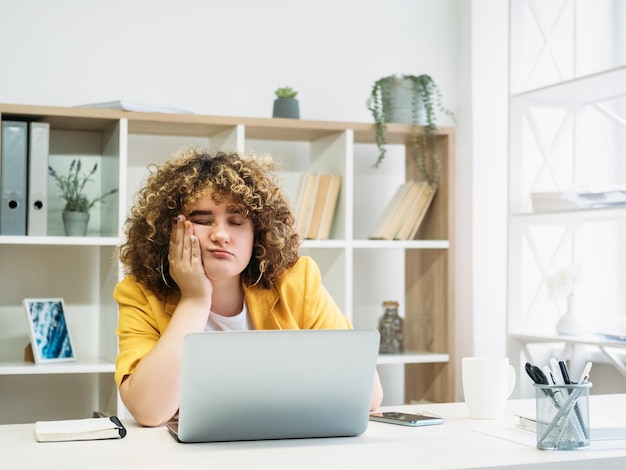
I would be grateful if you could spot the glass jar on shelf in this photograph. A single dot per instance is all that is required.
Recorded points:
(391, 329)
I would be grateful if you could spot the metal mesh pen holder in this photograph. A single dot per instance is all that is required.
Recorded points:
(563, 416)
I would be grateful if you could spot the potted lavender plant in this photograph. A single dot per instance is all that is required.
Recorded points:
(77, 203)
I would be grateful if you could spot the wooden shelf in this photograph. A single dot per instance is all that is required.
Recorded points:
(593, 88)
(75, 367)
(128, 141)
(59, 241)
(603, 213)
(402, 244)
(413, 357)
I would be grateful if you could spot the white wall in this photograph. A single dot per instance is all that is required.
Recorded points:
(223, 57)
(481, 203)
(228, 57)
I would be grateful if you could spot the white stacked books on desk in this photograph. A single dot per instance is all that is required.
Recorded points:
(529, 423)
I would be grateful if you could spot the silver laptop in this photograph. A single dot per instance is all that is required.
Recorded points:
(251, 385)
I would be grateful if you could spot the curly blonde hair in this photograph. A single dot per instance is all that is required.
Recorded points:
(246, 184)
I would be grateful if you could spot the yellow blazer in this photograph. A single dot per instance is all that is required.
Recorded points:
(297, 301)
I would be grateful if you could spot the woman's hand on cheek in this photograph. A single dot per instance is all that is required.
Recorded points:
(185, 260)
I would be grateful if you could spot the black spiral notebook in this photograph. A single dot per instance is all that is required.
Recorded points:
(79, 429)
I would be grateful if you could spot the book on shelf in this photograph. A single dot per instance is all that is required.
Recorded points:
(330, 205)
(579, 199)
(316, 206)
(306, 198)
(416, 212)
(616, 337)
(125, 105)
(388, 213)
(79, 429)
(405, 212)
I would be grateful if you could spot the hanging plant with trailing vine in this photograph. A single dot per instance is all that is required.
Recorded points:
(424, 93)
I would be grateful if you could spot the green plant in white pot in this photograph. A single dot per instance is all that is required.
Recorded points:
(286, 104)
(77, 203)
(412, 100)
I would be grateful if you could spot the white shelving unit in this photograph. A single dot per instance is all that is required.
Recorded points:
(567, 132)
(358, 272)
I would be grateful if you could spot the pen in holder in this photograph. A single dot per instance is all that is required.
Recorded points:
(563, 416)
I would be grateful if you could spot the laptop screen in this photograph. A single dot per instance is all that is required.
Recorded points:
(277, 384)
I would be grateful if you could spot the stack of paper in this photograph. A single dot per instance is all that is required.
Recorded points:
(125, 105)
(590, 198)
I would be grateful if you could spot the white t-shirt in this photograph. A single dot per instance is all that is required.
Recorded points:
(239, 322)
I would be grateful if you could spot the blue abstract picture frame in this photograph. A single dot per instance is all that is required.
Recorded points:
(49, 333)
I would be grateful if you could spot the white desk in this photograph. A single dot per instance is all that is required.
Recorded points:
(459, 443)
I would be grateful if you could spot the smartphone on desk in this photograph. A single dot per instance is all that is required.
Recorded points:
(420, 418)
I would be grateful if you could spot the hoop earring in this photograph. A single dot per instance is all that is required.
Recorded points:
(163, 276)
(258, 279)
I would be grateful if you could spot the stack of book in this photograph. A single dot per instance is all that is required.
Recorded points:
(316, 205)
(529, 423)
(588, 198)
(404, 214)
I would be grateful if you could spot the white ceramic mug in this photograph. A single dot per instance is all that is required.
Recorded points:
(487, 384)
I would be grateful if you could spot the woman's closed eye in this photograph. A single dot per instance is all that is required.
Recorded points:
(202, 220)
(234, 219)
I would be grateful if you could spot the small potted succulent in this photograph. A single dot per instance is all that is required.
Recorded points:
(77, 203)
(286, 104)
(413, 100)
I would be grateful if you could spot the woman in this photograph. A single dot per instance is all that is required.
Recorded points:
(211, 245)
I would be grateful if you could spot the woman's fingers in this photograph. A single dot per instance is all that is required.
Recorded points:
(176, 237)
(186, 241)
(185, 259)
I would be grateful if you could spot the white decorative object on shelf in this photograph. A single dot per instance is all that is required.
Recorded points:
(561, 284)
(571, 323)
